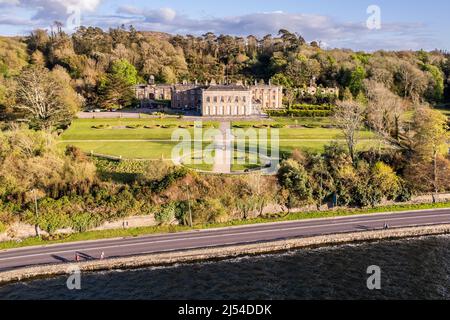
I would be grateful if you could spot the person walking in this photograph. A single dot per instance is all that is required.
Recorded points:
(77, 257)
(102, 256)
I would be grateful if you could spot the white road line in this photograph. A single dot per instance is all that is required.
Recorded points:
(216, 236)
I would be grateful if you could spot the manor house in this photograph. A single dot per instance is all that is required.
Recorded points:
(212, 99)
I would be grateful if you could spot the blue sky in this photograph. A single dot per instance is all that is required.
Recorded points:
(336, 23)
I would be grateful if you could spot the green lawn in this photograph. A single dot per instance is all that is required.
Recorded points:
(120, 129)
(312, 128)
(127, 149)
(111, 135)
(111, 138)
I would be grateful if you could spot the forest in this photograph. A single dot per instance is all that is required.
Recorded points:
(48, 76)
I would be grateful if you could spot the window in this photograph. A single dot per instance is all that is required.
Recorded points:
(215, 99)
(208, 99)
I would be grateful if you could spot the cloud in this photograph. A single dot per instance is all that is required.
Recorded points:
(14, 21)
(334, 33)
(162, 15)
(46, 11)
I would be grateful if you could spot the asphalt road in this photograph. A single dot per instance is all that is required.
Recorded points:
(10, 259)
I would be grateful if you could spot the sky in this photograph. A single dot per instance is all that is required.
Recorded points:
(355, 24)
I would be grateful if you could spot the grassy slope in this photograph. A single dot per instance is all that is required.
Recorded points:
(134, 232)
(85, 135)
(82, 129)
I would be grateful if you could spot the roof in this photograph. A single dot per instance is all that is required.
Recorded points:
(271, 86)
(231, 87)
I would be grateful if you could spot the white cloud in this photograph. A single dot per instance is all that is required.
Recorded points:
(317, 27)
(9, 2)
(311, 26)
(48, 10)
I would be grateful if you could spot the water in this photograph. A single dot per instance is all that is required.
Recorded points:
(411, 269)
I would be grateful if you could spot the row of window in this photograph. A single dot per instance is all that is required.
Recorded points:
(263, 91)
(227, 110)
(226, 99)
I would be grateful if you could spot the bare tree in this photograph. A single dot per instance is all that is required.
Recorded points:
(39, 96)
(384, 114)
(412, 82)
(349, 116)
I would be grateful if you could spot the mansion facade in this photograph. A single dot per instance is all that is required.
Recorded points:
(214, 99)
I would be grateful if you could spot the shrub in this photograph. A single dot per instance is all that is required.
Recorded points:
(101, 126)
(2, 227)
(166, 214)
(82, 222)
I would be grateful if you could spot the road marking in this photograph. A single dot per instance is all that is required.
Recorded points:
(222, 235)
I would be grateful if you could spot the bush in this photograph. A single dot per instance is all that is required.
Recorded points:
(2, 227)
(82, 222)
(102, 126)
(307, 111)
(166, 214)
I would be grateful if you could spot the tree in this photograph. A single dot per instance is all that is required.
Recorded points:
(384, 113)
(294, 178)
(430, 137)
(349, 116)
(384, 179)
(125, 72)
(410, 81)
(115, 93)
(43, 97)
(116, 88)
(167, 75)
(357, 80)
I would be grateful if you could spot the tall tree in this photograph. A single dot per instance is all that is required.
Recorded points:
(43, 97)
(349, 116)
(430, 140)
